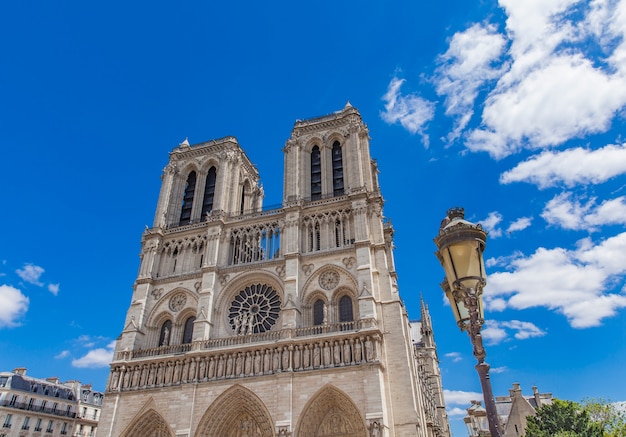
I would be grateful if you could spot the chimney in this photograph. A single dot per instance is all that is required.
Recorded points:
(20, 371)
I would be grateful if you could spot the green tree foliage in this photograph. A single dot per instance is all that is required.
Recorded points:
(563, 419)
(609, 415)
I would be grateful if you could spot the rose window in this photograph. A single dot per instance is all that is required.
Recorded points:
(254, 310)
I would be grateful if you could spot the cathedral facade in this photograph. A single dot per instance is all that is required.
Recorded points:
(248, 322)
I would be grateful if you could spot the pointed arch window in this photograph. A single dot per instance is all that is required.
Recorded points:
(316, 173)
(243, 199)
(190, 189)
(188, 333)
(209, 193)
(166, 331)
(345, 309)
(337, 169)
(319, 308)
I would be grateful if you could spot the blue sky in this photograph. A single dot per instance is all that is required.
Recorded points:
(513, 110)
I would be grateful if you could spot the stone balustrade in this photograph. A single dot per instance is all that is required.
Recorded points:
(287, 355)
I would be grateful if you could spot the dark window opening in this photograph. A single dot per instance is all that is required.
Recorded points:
(209, 193)
(337, 170)
(243, 199)
(318, 312)
(345, 309)
(316, 173)
(188, 334)
(190, 189)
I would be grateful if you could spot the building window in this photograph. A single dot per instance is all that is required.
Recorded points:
(345, 309)
(166, 330)
(254, 310)
(26, 424)
(316, 173)
(188, 333)
(7, 421)
(243, 199)
(190, 189)
(64, 428)
(38, 425)
(209, 193)
(337, 170)
(42, 406)
(3, 381)
(49, 429)
(31, 403)
(13, 400)
(319, 310)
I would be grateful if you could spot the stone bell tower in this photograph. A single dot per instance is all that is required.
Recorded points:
(285, 322)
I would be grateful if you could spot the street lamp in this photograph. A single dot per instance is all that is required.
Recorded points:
(460, 246)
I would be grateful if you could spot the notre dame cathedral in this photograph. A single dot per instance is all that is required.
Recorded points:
(247, 321)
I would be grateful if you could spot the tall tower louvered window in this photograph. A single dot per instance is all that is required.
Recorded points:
(316, 173)
(190, 189)
(337, 169)
(209, 193)
(243, 199)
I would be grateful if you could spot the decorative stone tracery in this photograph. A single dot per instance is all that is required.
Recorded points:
(238, 412)
(254, 310)
(149, 424)
(331, 413)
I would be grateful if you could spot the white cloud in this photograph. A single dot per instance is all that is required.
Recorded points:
(551, 83)
(62, 354)
(563, 98)
(571, 213)
(54, 288)
(574, 283)
(464, 68)
(495, 331)
(501, 369)
(554, 89)
(570, 167)
(457, 397)
(456, 411)
(412, 111)
(454, 356)
(491, 224)
(13, 305)
(100, 357)
(519, 225)
(31, 274)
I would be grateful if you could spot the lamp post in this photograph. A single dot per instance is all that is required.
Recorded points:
(460, 246)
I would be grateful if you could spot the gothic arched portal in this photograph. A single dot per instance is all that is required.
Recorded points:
(149, 424)
(236, 413)
(331, 413)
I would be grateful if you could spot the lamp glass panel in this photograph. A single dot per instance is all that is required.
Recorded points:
(448, 267)
(453, 305)
(462, 311)
(468, 262)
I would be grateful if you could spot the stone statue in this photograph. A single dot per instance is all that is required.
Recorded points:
(166, 337)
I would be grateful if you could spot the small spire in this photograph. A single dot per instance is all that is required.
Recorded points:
(427, 325)
(185, 143)
(348, 105)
